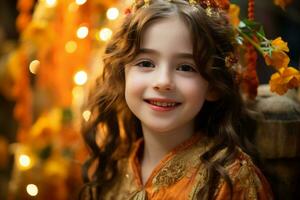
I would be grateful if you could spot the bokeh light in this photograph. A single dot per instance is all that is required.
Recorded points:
(71, 46)
(80, 78)
(33, 66)
(86, 115)
(105, 34)
(82, 32)
(112, 13)
(80, 2)
(51, 3)
(24, 160)
(32, 189)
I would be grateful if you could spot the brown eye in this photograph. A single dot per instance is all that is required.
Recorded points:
(186, 68)
(145, 63)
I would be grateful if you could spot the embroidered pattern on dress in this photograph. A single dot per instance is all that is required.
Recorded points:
(247, 180)
(139, 195)
(245, 177)
(178, 167)
(201, 178)
(170, 174)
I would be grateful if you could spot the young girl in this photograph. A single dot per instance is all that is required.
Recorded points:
(167, 117)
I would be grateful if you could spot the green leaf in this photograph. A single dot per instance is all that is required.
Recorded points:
(261, 31)
(252, 24)
(242, 24)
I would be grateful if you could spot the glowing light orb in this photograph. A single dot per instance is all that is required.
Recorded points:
(112, 13)
(80, 2)
(105, 34)
(86, 115)
(33, 66)
(80, 78)
(82, 32)
(32, 189)
(51, 3)
(24, 160)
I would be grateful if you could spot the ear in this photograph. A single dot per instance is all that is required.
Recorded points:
(212, 94)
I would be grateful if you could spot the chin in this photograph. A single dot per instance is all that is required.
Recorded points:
(160, 129)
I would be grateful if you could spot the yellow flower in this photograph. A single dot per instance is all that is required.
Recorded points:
(278, 59)
(284, 79)
(282, 3)
(234, 12)
(279, 45)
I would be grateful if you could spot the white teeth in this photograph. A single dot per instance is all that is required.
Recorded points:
(163, 104)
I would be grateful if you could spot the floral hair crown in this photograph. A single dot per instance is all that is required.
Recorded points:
(211, 6)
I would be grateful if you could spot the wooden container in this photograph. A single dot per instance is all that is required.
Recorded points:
(278, 134)
(278, 142)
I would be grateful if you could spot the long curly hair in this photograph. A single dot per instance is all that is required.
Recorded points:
(112, 128)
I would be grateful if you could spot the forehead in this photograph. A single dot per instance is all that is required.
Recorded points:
(167, 35)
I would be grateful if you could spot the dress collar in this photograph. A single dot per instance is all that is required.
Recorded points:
(138, 148)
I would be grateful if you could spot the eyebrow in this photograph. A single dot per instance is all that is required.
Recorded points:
(180, 55)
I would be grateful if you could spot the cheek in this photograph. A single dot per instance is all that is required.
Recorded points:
(195, 91)
(134, 85)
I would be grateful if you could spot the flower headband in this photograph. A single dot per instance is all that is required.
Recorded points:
(210, 6)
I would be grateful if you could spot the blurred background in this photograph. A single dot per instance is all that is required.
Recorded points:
(50, 52)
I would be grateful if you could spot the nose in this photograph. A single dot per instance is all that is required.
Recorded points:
(163, 80)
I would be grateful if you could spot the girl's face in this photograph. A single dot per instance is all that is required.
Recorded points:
(163, 86)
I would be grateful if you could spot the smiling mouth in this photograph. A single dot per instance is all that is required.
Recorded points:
(164, 104)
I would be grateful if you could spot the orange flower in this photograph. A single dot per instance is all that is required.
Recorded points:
(25, 5)
(282, 3)
(284, 79)
(223, 4)
(22, 21)
(234, 12)
(278, 57)
(279, 45)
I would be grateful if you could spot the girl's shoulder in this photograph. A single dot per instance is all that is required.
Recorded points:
(247, 180)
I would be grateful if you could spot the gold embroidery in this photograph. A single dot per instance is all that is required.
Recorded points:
(124, 186)
(185, 163)
(201, 178)
(170, 174)
(180, 166)
(139, 195)
(247, 179)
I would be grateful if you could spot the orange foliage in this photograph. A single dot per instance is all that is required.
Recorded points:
(282, 3)
(278, 57)
(234, 12)
(279, 45)
(25, 5)
(284, 79)
(22, 21)
(223, 4)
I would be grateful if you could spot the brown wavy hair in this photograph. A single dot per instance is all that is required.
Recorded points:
(112, 128)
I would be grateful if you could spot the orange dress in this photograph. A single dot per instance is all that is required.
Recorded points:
(181, 174)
